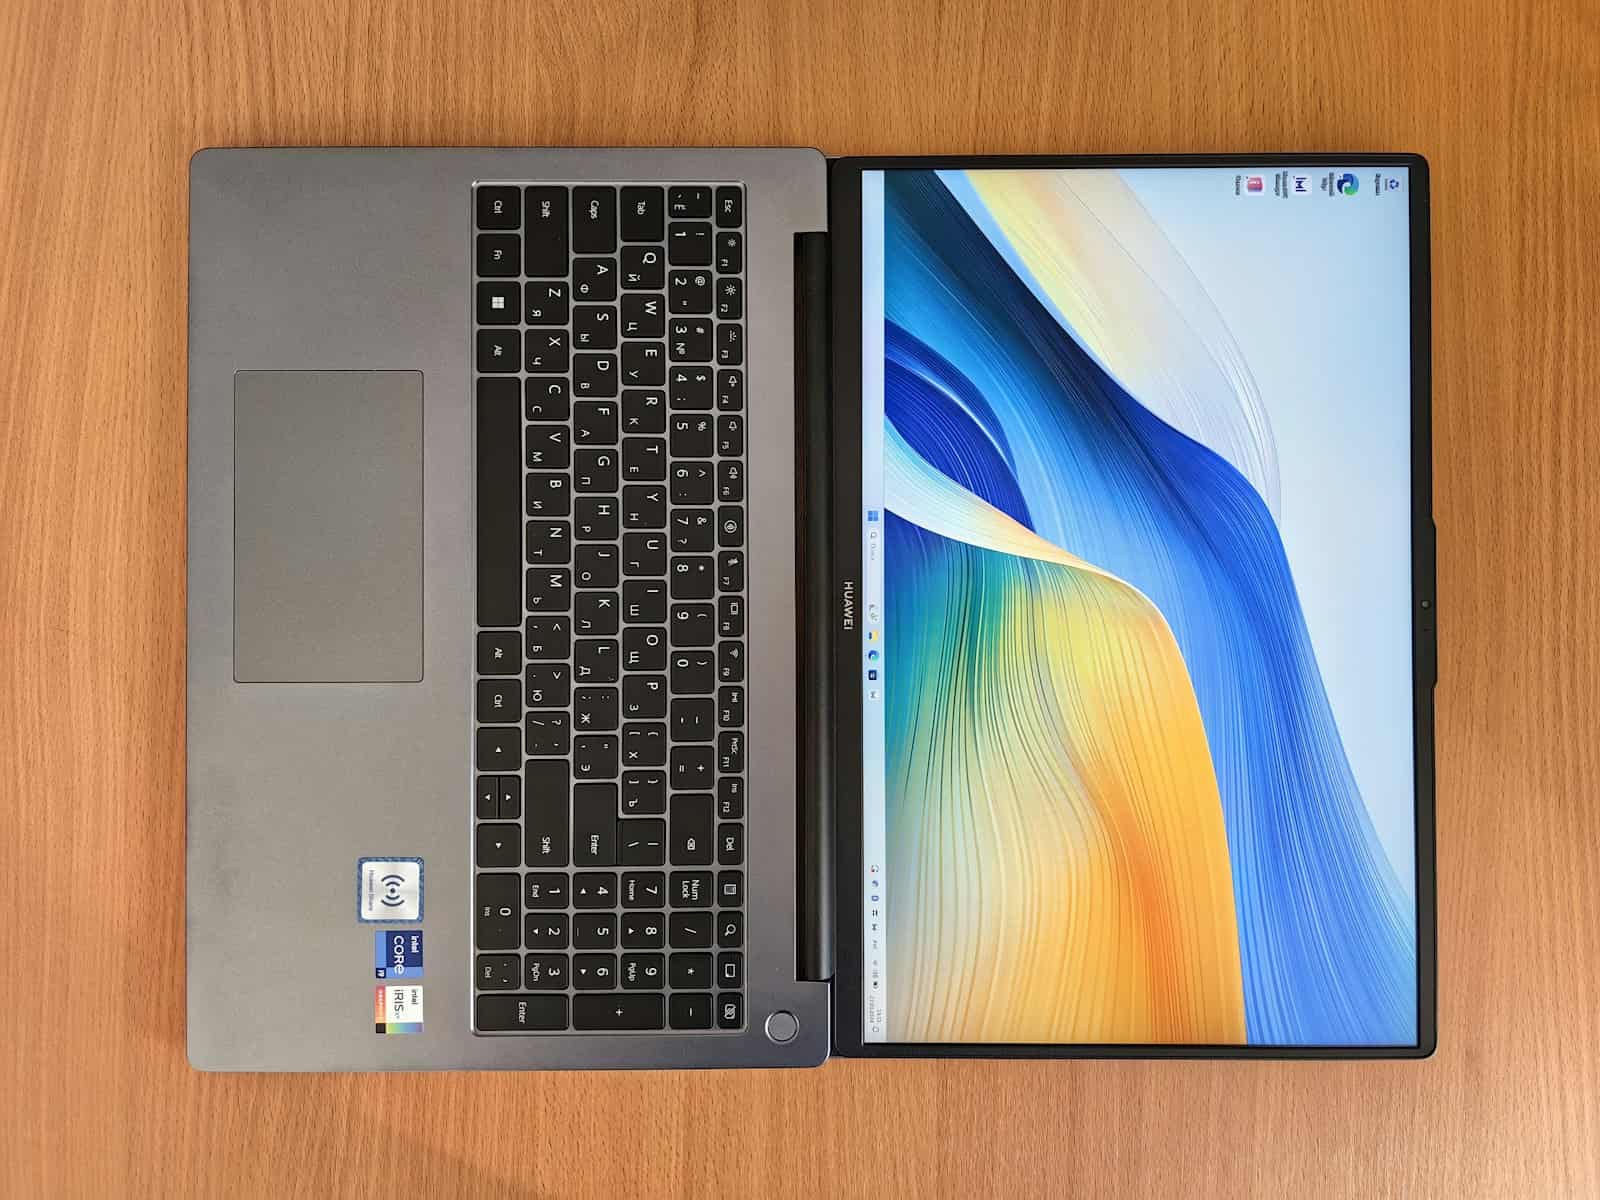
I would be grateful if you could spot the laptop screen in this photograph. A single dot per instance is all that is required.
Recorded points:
(1136, 650)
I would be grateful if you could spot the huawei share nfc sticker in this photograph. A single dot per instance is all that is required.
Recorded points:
(389, 889)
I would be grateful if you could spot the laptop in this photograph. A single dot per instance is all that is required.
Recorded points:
(724, 608)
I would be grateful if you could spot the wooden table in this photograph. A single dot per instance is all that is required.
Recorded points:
(101, 106)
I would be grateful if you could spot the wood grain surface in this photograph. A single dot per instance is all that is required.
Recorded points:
(101, 106)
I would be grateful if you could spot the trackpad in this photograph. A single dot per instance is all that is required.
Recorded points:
(327, 535)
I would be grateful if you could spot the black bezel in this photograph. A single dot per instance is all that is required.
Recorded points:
(845, 233)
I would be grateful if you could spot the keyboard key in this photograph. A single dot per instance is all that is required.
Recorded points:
(730, 969)
(730, 798)
(644, 842)
(730, 1011)
(644, 696)
(691, 435)
(644, 889)
(498, 350)
(594, 971)
(693, 577)
(595, 756)
(547, 303)
(547, 494)
(730, 345)
(730, 752)
(730, 571)
(688, 292)
(499, 701)
(730, 844)
(547, 638)
(730, 299)
(643, 214)
(499, 912)
(594, 279)
(498, 845)
(595, 709)
(730, 391)
(644, 648)
(546, 814)
(549, 733)
(546, 399)
(595, 660)
(730, 705)
(594, 931)
(503, 1013)
(691, 889)
(643, 972)
(689, 930)
(688, 244)
(689, 387)
(692, 767)
(486, 797)
(594, 327)
(644, 601)
(594, 824)
(644, 930)
(644, 554)
(549, 543)
(644, 460)
(693, 625)
(689, 970)
(546, 685)
(549, 447)
(619, 1012)
(545, 228)
(498, 303)
(730, 888)
(594, 220)
(729, 252)
(644, 793)
(643, 315)
(594, 470)
(690, 1010)
(549, 589)
(644, 744)
(546, 930)
(546, 972)
(730, 207)
(499, 652)
(689, 339)
(691, 482)
(499, 748)
(546, 891)
(597, 565)
(594, 889)
(594, 375)
(644, 412)
(499, 972)
(730, 482)
(498, 253)
(643, 268)
(499, 207)
(693, 719)
(689, 201)
(547, 352)
(730, 662)
(692, 529)
(693, 673)
(730, 436)
(644, 364)
(730, 929)
(690, 841)
(730, 526)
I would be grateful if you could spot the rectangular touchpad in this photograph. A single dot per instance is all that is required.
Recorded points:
(327, 533)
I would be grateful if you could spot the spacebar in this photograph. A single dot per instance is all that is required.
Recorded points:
(618, 1010)
(499, 508)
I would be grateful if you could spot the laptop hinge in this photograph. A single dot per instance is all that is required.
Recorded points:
(814, 899)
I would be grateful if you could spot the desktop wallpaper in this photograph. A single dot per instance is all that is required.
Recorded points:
(1118, 803)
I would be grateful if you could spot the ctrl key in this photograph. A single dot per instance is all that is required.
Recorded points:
(528, 1014)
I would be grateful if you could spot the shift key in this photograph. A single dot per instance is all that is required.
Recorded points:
(546, 809)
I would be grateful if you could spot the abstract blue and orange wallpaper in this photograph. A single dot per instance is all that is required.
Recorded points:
(1117, 803)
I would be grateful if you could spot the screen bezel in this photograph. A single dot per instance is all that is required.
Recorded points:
(848, 984)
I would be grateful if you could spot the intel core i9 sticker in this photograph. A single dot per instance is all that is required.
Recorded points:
(397, 1008)
(397, 953)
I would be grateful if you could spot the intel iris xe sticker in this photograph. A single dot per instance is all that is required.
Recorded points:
(397, 953)
(389, 889)
(397, 1008)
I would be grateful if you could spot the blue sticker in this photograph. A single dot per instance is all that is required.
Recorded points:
(397, 953)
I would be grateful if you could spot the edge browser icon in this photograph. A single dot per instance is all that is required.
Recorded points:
(1347, 184)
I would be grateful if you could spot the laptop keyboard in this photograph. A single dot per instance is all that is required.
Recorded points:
(609, 735)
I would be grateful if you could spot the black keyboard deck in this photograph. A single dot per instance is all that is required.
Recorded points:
(609, 804)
